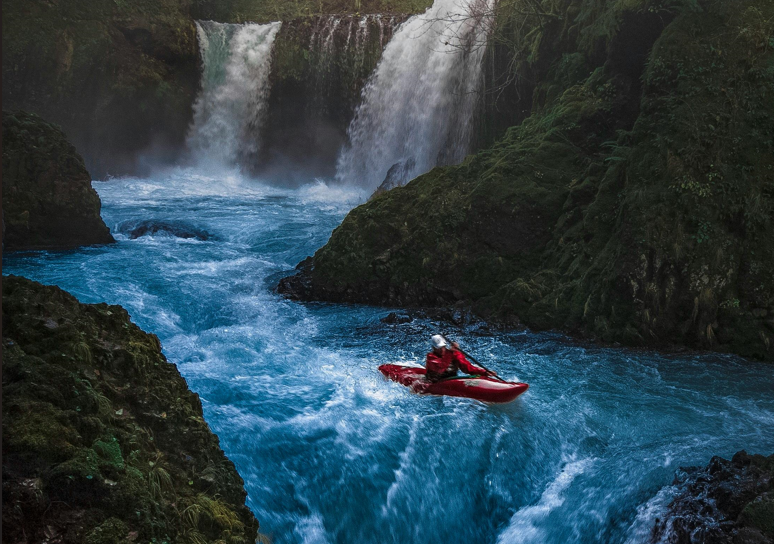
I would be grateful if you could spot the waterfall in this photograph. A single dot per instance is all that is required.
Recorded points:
(417, 108)
(230, 109)
(319, 68)
(338, 51)
(359, 28)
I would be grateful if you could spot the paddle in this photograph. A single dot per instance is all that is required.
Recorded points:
(475, 362)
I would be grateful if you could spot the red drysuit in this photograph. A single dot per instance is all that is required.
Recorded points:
(447, 365)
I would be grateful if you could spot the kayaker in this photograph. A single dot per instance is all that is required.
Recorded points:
(444, 362)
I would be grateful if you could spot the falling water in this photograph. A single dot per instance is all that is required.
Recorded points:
(231, 106)
(338, 51)
(417, 109)
(320, 67)
(359, 28)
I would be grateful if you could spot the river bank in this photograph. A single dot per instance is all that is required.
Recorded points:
(103, 442)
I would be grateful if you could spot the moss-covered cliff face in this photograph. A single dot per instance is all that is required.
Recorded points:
(48, 200)
(634, 204)
(264, 11)
(118, 76)
(103, 442)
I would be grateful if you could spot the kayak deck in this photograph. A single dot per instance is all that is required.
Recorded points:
(481, 388)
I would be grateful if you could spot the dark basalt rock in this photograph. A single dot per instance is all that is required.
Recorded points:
(151, 227)
(103, 442)
(48, 200)
(397, 175)
(298, 286)
(394, 318)
(726, 502)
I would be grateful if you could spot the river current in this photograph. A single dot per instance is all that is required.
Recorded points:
(332, 452)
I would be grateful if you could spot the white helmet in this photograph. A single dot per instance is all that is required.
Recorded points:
(438, 341)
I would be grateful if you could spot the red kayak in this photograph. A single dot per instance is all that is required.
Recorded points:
(480, 388)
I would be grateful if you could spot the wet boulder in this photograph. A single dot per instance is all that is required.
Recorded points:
(154, 227)
(399, 174)
(298, 286)
(394, 318)
(726, 502)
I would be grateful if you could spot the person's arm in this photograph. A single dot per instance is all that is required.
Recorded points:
(464, 364)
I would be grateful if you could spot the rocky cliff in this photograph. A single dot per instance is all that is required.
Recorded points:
(319, 68)
(263, 11)
(48, 200)
(103, 442)
(726, 502)
(118, 76)
(633, 205)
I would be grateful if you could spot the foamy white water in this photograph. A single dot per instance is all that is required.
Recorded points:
(231, 107)
(527, 526)
(418, 107)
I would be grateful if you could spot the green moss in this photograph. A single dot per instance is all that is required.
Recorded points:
(42, 428)
(80, 468)
(109, 452)
(111, 531)
(760, 514)
(101, 376)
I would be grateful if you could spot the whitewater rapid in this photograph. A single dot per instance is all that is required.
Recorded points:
(331, 452)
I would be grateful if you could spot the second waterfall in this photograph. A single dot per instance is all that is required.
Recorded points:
(418, 108)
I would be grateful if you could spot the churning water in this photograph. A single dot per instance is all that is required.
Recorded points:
(417, 108)
(330, 451)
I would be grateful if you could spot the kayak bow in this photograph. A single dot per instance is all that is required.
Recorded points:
(481, 388)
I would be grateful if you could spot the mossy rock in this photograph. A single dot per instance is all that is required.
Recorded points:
(760, 514)
(106, 430)
(734, 498)
(48, 200)
(112, 531)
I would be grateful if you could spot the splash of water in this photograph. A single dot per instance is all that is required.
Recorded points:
(231, 106)
(526, 525)
(418, 106)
